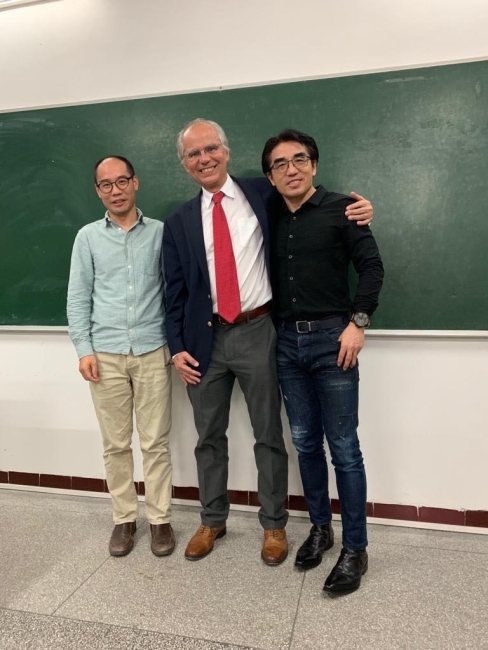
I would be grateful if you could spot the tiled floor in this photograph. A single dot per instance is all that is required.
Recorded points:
(60, 589)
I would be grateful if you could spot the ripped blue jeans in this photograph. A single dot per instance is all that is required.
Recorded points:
(321, 398)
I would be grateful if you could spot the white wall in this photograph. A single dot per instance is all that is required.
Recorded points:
(422, 419)
(423, 407)
(73, 51)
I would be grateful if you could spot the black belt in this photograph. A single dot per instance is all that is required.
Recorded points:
(306, 326)
(243, 317)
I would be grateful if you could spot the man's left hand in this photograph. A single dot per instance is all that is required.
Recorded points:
(352, 341)
(361, 211)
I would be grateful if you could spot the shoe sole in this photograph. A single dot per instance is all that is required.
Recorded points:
(309, 567)
(163, 553)
(193, 558)
(344, 592)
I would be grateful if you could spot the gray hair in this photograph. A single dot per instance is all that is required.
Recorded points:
(200, 120)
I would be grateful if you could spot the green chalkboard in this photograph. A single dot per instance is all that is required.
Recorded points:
(415, 142)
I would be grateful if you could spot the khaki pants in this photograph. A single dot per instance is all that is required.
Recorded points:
(141, 384)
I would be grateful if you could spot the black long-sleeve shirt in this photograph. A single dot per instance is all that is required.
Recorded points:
(311, 251)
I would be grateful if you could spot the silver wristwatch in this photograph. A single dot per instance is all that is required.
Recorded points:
(361, 319)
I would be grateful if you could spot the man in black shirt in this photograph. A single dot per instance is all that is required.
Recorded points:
(320, 335)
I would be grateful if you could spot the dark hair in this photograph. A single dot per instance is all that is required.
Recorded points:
(128, 164)
(288, 135)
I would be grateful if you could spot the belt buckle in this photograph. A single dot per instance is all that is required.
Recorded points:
(303, 322)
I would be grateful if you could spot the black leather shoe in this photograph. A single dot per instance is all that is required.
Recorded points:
(309, 555)
(346, 576)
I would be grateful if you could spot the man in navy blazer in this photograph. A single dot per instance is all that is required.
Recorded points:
(184, 238)
(210, 352)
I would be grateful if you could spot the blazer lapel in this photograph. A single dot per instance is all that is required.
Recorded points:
(257, 204)
(194, 231)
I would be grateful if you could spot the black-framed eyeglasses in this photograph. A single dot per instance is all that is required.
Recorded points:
(121, 182)
(299, 161)
(210, 149)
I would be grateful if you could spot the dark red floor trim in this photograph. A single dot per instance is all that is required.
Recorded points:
(393, 511)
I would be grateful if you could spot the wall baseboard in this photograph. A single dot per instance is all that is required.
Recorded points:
(390, 511)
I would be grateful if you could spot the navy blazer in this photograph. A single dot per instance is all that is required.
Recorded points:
(189, 322)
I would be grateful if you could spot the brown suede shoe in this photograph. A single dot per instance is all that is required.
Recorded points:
(275, 546)
(162, 539)
(203, 541)
(122, 541)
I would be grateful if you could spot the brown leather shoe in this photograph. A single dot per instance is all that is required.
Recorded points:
(162, 539)
(203, 541)
(122, 541)
(275, 546)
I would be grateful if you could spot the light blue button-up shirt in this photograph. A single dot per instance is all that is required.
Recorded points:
(116, 288)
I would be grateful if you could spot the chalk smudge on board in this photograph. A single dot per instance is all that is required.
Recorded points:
(403, 79)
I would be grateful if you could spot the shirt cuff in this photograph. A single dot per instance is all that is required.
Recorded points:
(84, 350)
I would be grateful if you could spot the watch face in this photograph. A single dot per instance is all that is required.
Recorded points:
(360, 319)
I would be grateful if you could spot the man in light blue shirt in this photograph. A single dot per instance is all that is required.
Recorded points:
(116, 322)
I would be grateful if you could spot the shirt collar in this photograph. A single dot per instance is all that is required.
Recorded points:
(108, 220)
(317, 196)
(228, 188)
(315, 199)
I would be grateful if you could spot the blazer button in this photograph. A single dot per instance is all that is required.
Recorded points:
(209, 297)
(209, 323)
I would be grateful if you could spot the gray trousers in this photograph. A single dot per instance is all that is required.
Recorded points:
(246, 352)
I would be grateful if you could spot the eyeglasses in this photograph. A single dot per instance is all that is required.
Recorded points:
(299, 161)
(210, 149)
(121, 182)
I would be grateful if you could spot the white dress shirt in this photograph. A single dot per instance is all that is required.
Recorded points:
(247, 243)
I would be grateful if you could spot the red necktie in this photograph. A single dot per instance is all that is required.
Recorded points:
(228, 297)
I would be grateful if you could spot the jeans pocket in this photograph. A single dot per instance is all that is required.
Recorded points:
(333, 334)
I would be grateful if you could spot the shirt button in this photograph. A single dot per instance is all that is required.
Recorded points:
(128, 266)
(291, 236)
(293, 299)
(130, 330)
(291, 277)
(130, 308)
(294, 218)
(209, 323)
(290, 257)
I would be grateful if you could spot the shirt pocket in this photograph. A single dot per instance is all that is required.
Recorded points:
(151, 265)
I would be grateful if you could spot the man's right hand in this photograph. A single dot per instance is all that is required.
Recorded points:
(183, 363)
(89, 368)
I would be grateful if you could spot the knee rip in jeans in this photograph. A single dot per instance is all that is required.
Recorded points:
(298, 433)
(302, 442)
(342, 381)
